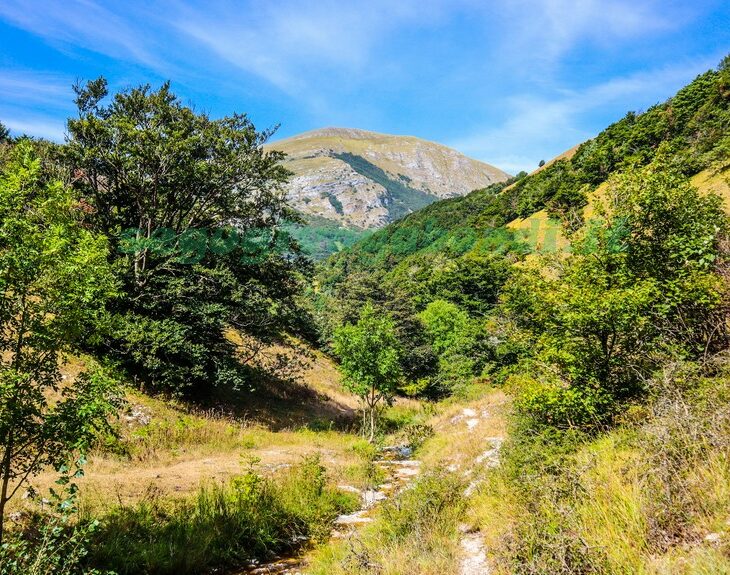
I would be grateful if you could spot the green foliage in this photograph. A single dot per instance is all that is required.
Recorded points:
(320, 238)
(629, 499)
(446, 225)
(694, 124)
(562, 406)
(446, 324)
(52, 542)
(153, 170)
(224, 526)
(369, 354)
(55, 282)
(472, 282)
(616, 307)
(459, 343)
(4, 134)
(639, 288)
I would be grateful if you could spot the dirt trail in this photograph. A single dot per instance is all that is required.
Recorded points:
(474, 560)
(476, 432)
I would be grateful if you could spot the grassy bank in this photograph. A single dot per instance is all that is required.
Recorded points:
(419, 530)
(413, 533)
(648, 497)
(182, 488)
(222, 525)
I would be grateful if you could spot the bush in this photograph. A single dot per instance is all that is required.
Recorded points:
(562, 406)
(412, 534)
(52, 548)
(434, 501)
(641, 498)
(51, 541)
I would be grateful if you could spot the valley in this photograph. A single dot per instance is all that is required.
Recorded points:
(353, 353)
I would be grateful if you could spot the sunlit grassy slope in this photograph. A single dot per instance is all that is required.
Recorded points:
(167, 447)
(544, 234)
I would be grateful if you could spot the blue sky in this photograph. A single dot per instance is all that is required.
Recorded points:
(507, 82)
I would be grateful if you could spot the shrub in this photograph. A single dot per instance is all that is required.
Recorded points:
(562, 406)
(49, 541)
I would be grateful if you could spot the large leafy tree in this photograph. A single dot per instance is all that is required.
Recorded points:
(639, 287)
(192, 206)
(54, 281)
(369, 353)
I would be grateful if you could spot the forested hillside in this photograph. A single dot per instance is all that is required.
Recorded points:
(433, 254)
(689, 130)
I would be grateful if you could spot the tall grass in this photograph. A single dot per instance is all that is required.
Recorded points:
(416, 532)
(649, 497)
(222, 526)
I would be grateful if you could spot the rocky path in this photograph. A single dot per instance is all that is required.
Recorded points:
(474, 560)
(467, 426)
(475, 435)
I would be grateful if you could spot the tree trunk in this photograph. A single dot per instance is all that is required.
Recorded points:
(372, 423)
(7, 457)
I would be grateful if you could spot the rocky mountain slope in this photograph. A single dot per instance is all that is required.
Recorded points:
(361, 179)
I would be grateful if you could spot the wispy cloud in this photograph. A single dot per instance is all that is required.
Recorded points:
(33, 86)
(25, 93)
(89, 25)
(544, 31)
(523, 78)
(293, 45)
(38, 127)
(540, 127)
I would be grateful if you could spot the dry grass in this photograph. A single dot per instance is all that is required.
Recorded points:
(167, 448)
(546, 235)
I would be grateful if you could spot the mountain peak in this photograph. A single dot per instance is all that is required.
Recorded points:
(336, 132)
(362, 179)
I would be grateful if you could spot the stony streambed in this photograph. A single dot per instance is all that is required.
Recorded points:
(399, 470)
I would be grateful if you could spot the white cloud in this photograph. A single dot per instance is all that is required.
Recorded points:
(36, 87)
(540, 127)
(39, 127)
(543, 31)
(87, 24)
(286, 42)
(318, 55)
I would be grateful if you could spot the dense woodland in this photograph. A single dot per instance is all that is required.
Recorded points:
(156, 242)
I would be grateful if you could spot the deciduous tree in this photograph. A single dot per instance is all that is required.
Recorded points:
(369, 354)
(54, 281)
(175, 191)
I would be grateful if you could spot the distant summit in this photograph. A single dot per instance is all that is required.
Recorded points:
(362, 179)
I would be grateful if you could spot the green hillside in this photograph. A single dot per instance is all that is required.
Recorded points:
(462, 250)
(691, 130)
(595, 293)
